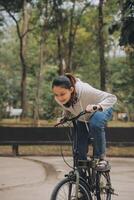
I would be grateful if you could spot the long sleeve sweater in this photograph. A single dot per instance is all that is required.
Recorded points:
(88, 95)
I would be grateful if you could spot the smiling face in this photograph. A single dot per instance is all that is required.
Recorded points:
(63, 95)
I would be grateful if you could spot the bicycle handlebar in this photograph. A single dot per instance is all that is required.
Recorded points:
(76, 117)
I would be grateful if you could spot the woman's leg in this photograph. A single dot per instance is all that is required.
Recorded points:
(97, 127)
(81, 142)
(81, 145)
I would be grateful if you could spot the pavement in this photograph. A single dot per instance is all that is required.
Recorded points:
(34, 177)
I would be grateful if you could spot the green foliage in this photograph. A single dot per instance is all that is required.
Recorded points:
(125, 24)
(9, 89)
(122, 83)
(127, 29)
(13, 6)
(48, 103)
(85, 62)
(85, 59)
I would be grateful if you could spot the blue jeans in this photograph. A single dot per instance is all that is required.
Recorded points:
(96, 127)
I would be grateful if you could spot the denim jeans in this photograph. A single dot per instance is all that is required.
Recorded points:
(96, 126)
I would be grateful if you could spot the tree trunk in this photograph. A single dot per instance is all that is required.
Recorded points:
(42, 58)
(101, 46)
(37, 92)
(62, 62)
(60, 36)
(22, 35)
(71, 38)
(23, 51)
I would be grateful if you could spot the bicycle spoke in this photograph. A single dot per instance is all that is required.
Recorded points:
(66, 190)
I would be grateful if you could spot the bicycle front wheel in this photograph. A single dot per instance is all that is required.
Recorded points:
(66, 190)
(103, 186)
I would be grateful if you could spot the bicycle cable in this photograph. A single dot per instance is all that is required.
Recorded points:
(61, 149)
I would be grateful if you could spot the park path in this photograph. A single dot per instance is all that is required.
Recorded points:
(33, 178)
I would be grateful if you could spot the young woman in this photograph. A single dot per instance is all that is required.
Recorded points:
(74, 96)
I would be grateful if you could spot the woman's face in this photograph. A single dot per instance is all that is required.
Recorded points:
(63, 95)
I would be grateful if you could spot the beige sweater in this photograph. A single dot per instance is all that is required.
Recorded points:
(89, 95)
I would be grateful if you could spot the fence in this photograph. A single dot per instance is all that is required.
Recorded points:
(16, 136)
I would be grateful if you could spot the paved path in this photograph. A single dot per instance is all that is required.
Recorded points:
(33, 178)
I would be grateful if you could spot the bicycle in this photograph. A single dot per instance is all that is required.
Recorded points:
(96, 185)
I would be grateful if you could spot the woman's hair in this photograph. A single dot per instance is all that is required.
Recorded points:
(67, 81)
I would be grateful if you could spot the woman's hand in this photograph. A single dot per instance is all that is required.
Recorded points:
(92, 108)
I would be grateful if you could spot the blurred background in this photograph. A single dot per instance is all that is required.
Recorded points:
(40, 39)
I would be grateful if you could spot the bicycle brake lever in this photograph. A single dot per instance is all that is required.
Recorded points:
(83, 112)
(57, 124)
(61, 122)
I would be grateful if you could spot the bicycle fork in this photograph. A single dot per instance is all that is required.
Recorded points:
(77, 184)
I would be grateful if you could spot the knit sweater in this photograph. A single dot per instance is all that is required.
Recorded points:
(88, 95)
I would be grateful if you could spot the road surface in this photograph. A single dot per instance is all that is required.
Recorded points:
(33, 178)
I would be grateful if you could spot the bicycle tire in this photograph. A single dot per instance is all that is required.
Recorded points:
(65, 190)
(103, 186)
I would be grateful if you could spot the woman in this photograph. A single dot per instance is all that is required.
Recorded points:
(74, 96)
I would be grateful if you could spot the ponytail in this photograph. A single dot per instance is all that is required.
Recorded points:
(71, 78)
(73, 82)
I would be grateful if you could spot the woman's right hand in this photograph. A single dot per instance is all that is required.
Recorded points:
(92, 108)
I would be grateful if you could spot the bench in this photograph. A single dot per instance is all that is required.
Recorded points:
(16, 136)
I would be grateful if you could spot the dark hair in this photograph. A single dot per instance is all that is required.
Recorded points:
(67, 81)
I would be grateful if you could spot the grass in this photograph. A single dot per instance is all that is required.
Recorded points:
(120, 124)
(55, 150)
(44, 123)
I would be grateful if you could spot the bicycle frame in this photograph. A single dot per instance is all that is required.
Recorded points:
(89, 167)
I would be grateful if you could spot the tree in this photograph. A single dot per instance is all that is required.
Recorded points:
(67, 19)
(127, 24)
(125, 75)
(126, 27)
(101, 45)
(121, 82)
(11, 8)
(45, 26)
(23, 36)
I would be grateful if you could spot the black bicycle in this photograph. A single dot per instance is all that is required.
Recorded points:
(95, 185)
